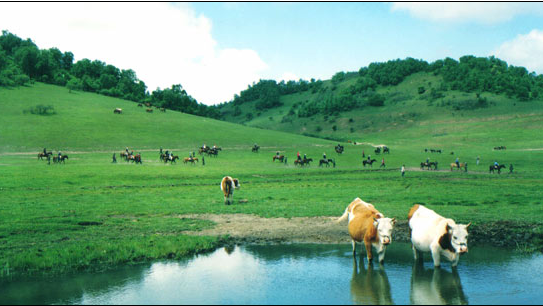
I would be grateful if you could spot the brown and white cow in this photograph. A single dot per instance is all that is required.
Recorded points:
(368, 225)
(117, 111)
(228, 185)
(433, 233)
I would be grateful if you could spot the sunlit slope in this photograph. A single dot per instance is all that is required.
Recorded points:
(85, 121)
(411, 118)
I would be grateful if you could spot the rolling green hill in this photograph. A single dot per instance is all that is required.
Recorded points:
(85, 121)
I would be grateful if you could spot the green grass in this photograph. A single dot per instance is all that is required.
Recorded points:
(90, 213)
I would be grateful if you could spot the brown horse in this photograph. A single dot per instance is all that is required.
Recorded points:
(454, 165)
(124, 155)
(280, 157)
(190, 160)
(41, 155)
(149, 110)
(56, 159)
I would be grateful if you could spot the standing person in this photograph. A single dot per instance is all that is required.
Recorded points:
(478, 160)
(466, 167)
(48, 159)
(203, 160)
(511, 168)
(457, 163)
(363, 154)
(160, 150)
(382, 163)
(114, 159)
(403, 170)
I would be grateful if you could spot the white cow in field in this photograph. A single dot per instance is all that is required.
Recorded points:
(433, 233)
(228, 184)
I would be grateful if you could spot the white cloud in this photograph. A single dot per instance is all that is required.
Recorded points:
(164, 43)
(480, 12)
(524, 50)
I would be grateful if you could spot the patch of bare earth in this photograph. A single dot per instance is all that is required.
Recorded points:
(254, 229)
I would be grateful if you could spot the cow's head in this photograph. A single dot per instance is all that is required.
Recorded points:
(384, 227)
(459, 237)
(236, 183)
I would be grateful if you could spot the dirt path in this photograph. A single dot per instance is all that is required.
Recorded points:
(253, 229)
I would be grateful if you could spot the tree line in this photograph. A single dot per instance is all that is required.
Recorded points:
(22, 62)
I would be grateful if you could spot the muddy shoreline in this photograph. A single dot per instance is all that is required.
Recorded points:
(250, 229)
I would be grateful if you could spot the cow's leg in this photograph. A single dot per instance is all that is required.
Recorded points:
(436, 255)
(417, 254)
(368, 250)
(354, 246)
(381, 251)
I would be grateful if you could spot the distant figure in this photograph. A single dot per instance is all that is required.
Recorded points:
(277, 153)
(457, 163)
(203, 161)
(427, 160)
(466, 167)
(114, 159)
(126, 150)
(382, 163)
(305, 157)
(496, 164)
(478, 160)
(363, 154)
(44, 151)
(285, 160)
(48, 159)
(299, 158)
(59, 156)
(160, 150)
(511, 168)
(324, 155)
(403, 170)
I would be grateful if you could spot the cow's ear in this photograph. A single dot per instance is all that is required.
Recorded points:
(393, 221)
(449, 229)
(375, 222)
(467, 226)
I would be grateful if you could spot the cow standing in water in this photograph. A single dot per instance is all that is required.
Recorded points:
(433, 233)
(228, 185)
(368, 225)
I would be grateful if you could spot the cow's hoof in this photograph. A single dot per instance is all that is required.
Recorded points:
(382, 262)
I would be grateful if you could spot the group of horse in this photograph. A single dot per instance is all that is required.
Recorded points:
(384, 148)
(433, 150)
(131, 157)
(500, 148)
(339, 149)
(210, 151)
(56, 159)
(428, 165)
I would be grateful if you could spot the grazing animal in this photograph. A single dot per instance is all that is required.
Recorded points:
(368, 225)
(339, 149)
(118, 111)
(228, 185)
(378, 150)
(424, 164)
(140, 105)
(370, 162)
(498, 168)
(433, 233)
(149, 110)
(434, 164)
(386, 150)
(255, 149)
(148, 104)
(280, 157)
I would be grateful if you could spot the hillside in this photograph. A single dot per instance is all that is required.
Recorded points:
(450, 118)
(84, 121)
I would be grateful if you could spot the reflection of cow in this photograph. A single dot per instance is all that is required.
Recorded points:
(370, 287)
(228, 185)
(368, 225)
(436, 287)
(433, 233)
(118, 111)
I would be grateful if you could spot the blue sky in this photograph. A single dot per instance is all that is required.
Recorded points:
(215, 50)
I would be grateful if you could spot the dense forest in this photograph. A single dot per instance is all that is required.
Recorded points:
(469, 74)
(22, 62)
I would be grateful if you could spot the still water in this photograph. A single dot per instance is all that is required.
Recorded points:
(297, 274)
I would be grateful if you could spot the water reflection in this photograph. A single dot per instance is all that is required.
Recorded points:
(436, 286)
(370, 286)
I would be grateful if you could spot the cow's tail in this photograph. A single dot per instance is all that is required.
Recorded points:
(344, 216)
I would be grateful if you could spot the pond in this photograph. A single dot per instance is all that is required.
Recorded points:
(297, 274)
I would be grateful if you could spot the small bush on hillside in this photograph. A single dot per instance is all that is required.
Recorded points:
(41, 110)
(421, 90)
(249, 116)
(334, 128)
(318, 129)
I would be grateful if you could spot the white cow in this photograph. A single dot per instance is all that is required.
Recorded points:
(433, 233)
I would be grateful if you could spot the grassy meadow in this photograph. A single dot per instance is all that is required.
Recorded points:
(90, 213)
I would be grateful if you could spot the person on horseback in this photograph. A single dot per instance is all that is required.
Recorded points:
(324, 155)
(457, 163)
(170, 156)
(127, 150)
(214, 147)
(427, 160)
(299, 158)
(496, 164)
(59, 156)
(44, 151)
(305, 158)
(277, 154)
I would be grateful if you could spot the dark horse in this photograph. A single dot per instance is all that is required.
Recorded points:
(327, 162)
(174, 158)
(255, 149)
(303, 162)
(366, 162)
(386, 150)
(493, 167)
(339, 149)
(56, 159)
(41, 155)
(280, 157)
(378, 150)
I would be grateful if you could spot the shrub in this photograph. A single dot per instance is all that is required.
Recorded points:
(41, 110)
